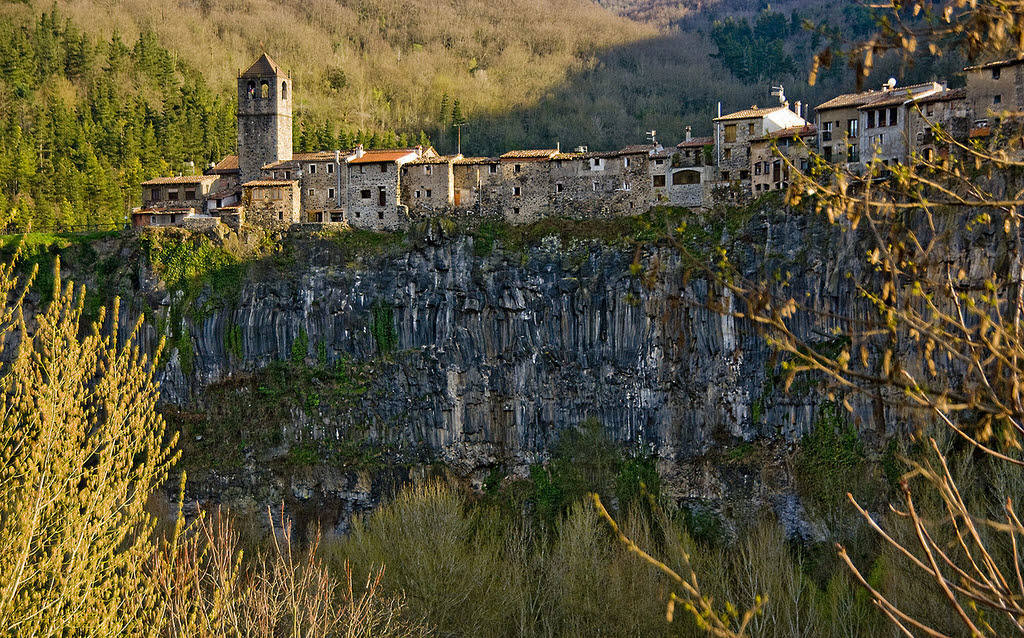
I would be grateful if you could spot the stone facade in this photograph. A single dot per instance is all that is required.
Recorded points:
(264, 118)
(948, 110)
(428, 185)
(271, 202)
(186, 191)
(995, 90)
(323, 178)
(372, 197)
(474, 180)
(772, 155)
(733, 133)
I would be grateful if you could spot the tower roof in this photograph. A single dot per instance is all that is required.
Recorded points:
(263, 67)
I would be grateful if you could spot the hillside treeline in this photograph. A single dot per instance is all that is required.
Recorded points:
(83, 121)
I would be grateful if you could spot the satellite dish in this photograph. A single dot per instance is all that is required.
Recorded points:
(891, 83)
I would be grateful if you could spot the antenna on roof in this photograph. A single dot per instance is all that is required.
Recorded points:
(779, 92)
(458, 125)
(651, 134)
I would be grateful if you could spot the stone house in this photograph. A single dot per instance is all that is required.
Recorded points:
(227, 190)
(853, 127)
(272, 202)
(374, 187)
(173, 216)
(694, 152)
(601, 184)
(995, 91)
(183, 191)
(475, 182)
(523, 192)
(734, 131)
(323, 181)
(946, 109)
(772, 155)
(428, 185)
(883, 122)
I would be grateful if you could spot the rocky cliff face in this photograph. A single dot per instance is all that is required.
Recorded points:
(478, 357)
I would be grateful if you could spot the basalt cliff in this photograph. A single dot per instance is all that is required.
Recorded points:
(322, 369)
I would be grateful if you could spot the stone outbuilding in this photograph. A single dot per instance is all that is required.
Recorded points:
(271, 202)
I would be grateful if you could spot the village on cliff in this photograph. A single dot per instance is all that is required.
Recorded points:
(750, 152)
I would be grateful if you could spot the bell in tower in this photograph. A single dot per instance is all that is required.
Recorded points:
(264, 117)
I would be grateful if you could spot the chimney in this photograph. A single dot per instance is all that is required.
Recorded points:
(419, 151)
(359, 151)
(558, 147)
(689, 133)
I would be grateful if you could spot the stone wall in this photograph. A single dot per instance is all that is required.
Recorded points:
(272, 205)
(264, 124)
(372, 197)
(427, 186)
(982, 88)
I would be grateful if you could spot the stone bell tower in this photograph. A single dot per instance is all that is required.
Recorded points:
(264, 117)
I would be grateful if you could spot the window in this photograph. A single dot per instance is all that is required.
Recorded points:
(382, 196)
(287, 174)
(330, 169)
(330, 193)
(750, 128)
(264, 90)
(280, 216)
(336, 216)
(725, 175)
(517, 168)
(995, 73)
(826, 131)
(854, 154)
(429, 193)
(312, 169)
(892, 116)
(996, 99)
(493, 168)
(659, 162)
(596, 185)
(250, 91)
(311, 192)
(851, 127)
(803, 164)
(515, 210)
(727, 154)
(757, 168)
(365, 193)
(516, 192)
(154, 194)
(680, 178)
(427, 170)
(383, 167)
(625, 162)
(362, 169)
(358, 215)
(190, 193)
(828, 153)
(659, 181)
(730, 133)
(172, 194)
(558, 187)
(380, 214)
(417, 193)
(284, 90)
(871, 119)
(745, 174)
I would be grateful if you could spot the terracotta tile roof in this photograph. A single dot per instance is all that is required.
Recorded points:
(181, 179)
(270, 182)
(981, 131)
(790, 131)
(995, 64)
(227, 165)
(872, 96)
(390, 155)
(223, 193)
(562, 157)
(170, 210)
(753, 111)
(263, 67)
(535, 154)
(696, 141)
